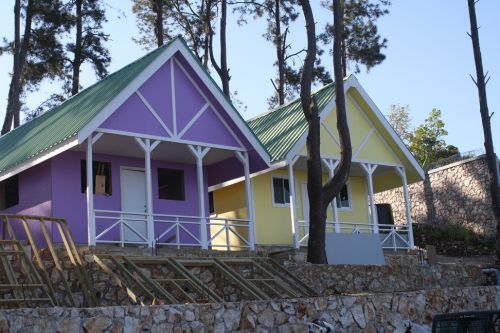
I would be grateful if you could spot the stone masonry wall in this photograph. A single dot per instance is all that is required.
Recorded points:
(402, 273)
(455, 193)
(392, 312)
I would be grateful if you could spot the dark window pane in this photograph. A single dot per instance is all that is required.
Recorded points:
(102, 169)
(11, 188)
(171, 184)
(211, 206)
(286, 187)
(343, 198)
(278, 190)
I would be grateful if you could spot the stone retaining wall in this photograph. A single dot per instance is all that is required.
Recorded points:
(455, 193)
(389, 278)
(391, 312)
(402, 273)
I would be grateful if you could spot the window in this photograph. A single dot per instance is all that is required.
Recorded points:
(343, 198)
(9, 192)
(171, 184)
(281, 191)
(101, 173)
(211, 205)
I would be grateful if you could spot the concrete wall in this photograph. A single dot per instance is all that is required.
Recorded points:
(455, 193)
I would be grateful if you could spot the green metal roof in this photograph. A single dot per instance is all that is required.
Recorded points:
(66, 120)
(281, 128)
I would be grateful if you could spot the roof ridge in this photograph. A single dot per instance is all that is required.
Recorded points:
(85, 90)
(288, 103)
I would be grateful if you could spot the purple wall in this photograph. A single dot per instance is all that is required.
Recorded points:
(208, 128)
(35, 193)
(70, 203)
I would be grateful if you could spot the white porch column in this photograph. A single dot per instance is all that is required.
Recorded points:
(369, 169)
(243, 157)
(200, 152)
(293, 209)
(90, 190)
(402, 174)
(148, 147)
(331, 165)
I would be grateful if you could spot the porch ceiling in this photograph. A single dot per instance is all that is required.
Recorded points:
(119, 145)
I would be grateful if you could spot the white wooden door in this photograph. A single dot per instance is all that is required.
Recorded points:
(133, 193)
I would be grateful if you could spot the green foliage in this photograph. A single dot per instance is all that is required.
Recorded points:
(93, 37)
(292, 62)
(190, 18)
(362, 43)
(427, 143)
(44, 56)
(453, 239)
(399, 118)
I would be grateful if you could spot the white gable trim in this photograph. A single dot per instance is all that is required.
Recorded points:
(207, 101)
(387, 127)
(136, 83)
(56, 150)
(373, 128)
(326, 111)
(167, 54)
(352, 82)
(231, 111)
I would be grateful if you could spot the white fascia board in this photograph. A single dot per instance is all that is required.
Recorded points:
(324, 113)
(51, 152)
(228, 107)
(273, 167)
(128, 91)
(356, 85)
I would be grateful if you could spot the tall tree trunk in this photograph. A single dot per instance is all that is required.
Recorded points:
(77, 59)
(223, 49)
(221, 70)
(208, 30)
(334, 185)
(485, 117)
(19, 55)
(321, 196)
(316, 243)
(278, 41)
(158, 9)
(344, 56)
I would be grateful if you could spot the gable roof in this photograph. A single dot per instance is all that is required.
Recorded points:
(281, 128)
(71, 122)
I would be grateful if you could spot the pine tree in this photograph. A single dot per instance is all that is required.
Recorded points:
(37, 54)
(361, 44)
(279, 15)
(87, 18)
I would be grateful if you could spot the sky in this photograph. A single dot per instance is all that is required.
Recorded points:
(428, 62)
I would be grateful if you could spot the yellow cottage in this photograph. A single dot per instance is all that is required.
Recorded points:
(380, 161)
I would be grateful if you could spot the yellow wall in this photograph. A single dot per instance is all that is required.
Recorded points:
(370, 143)
(273, 223)
(229, 203)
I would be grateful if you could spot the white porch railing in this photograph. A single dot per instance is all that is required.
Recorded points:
(229, 233)
(117, 227)
(120, 227)
(394, 237)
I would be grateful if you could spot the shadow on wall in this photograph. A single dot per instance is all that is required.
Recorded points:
(457, 193)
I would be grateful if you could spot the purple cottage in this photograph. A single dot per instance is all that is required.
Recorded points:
(129, 160)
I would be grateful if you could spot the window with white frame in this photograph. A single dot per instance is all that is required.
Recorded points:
(344, 198)
(281, 190)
